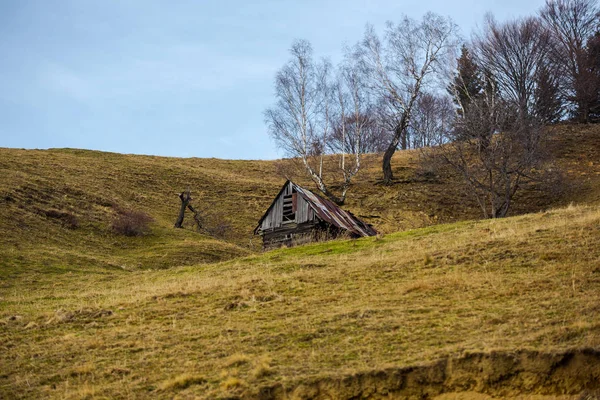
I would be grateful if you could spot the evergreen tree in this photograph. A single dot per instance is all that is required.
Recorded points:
(572, 24)
(548, 104)
(593, 73)
(467, 84)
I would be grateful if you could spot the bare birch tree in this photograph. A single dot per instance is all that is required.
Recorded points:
(309, 102)
(298, 122)
(402, 65)
(352, 104)
(374, 136)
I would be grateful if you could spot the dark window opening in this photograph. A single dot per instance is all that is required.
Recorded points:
(289, 207)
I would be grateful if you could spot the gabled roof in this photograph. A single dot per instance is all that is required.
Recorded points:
(327, 211)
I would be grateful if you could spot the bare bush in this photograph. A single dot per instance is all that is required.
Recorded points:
(206, 218)
(215, 225)
(131, 223)
(497, 148)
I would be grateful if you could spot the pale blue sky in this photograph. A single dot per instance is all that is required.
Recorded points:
(174, 78)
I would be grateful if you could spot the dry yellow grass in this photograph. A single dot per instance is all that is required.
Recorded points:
(295, 315)
(181, 382)
(85, 313)
(56, 206)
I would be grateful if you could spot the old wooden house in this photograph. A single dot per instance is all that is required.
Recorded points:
(299, 216)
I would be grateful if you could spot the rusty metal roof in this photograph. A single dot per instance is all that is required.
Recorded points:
(329, 212)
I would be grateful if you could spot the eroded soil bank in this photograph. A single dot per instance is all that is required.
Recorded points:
(520, 374)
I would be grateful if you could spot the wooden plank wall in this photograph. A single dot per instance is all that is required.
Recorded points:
(303, 211)
(275, 215)
(274, 218)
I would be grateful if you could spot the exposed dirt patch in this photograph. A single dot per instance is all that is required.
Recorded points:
(480, 396)
(568, 375)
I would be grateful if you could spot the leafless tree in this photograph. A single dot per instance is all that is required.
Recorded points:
(309, 102)
(496, 148)
(433, 117)
(374, 136)
(356, 128)
(513, 52)
(572, 23)
(402, 65)
(351, 104)
(298, 122)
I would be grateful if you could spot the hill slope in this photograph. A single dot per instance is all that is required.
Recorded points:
(514, 303)
(497, 307)
(56, 206)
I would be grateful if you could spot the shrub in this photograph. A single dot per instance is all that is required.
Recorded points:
(220, 228)
(213, 223)
(131, 223)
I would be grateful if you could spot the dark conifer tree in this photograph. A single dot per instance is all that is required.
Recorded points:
(572, 24)
(467, 84)
(548, 104)
(593, 74)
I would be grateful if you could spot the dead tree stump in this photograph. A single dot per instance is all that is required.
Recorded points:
(186, 199)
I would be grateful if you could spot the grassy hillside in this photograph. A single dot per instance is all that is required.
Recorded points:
(56, 206)
(508, 296)
(42, 191)
(87, 312)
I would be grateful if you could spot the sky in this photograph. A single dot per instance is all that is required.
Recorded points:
(176, 78)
